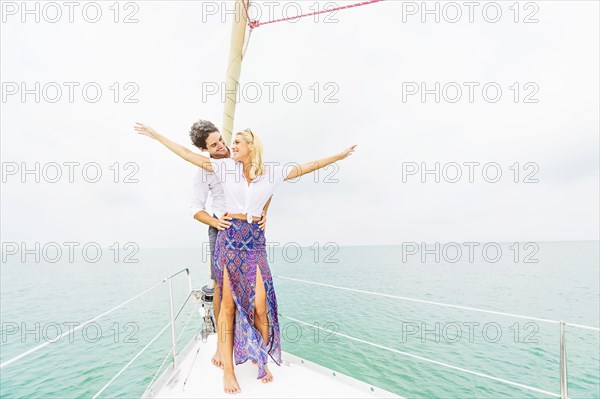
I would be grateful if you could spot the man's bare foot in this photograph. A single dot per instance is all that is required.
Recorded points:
(267, 378)
(216, 359)
(230, 384)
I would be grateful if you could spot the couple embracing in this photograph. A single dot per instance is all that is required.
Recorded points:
(241, 185)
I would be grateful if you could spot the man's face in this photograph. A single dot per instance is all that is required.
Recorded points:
(216, 146)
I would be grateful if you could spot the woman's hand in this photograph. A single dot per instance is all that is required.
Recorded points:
(262, 223)
(146, 130)
(347, 152)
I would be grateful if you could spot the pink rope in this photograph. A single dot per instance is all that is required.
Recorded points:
(253, 23)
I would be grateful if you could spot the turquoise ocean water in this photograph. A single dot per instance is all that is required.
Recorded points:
(40, 299)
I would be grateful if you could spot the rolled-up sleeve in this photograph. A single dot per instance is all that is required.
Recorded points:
(200, 190)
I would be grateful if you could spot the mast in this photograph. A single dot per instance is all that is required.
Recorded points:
(238, 33)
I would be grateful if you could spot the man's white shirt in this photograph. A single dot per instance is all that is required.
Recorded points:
(206, 183)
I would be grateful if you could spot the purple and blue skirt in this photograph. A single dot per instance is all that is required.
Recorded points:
(242, 249)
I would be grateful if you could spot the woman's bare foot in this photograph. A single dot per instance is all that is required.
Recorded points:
(269, 377)
(216, 359)
(230, 383)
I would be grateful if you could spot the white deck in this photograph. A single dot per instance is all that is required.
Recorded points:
(295, 378)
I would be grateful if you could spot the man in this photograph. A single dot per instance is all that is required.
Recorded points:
(206, 137)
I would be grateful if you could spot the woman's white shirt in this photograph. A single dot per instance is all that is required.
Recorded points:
(241, 197)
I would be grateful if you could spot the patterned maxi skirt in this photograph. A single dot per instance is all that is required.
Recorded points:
(241, 249)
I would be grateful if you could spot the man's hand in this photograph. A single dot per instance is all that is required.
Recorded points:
(262, 223)
(223, 222)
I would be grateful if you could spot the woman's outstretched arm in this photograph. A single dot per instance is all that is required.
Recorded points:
(178, 149)
(309, 167)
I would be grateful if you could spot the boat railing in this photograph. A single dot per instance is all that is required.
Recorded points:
(171, 324)
(175, 315)
(563, 348)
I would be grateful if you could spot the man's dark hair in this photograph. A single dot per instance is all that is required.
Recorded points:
(200, 132)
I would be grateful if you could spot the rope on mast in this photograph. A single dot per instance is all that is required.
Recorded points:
(254, 23)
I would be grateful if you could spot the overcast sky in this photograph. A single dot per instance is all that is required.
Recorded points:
(361, 74)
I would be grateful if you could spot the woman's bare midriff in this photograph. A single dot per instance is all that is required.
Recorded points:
(243, 216)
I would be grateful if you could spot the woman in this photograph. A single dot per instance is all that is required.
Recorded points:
(243, 274)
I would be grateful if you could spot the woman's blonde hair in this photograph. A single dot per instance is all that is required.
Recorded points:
(257, 167)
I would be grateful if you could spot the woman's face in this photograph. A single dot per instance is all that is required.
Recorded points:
(241, 148)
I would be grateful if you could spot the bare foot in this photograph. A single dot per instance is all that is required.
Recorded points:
(216, 359)
(230, 384)
(269, 377)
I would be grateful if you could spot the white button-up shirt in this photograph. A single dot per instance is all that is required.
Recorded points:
(206, 183)
(241, 197)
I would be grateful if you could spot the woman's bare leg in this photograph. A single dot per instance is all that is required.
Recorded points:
(261, 321)
(225, 332)
(216, 359)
